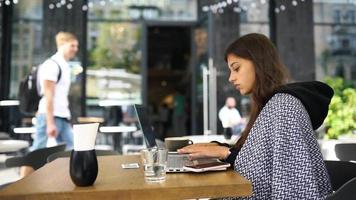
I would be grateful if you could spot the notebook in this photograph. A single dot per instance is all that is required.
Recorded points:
(175, 161)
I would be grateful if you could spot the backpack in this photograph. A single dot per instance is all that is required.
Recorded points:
(29, 91)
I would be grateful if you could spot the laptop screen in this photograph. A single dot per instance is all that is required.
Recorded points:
(145, 126)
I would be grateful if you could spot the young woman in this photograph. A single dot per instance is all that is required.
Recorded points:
(277, 151)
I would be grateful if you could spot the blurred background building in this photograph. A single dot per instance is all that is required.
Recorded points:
(143, 51)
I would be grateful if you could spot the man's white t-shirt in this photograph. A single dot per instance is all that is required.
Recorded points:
(49, 71)
(229, 117)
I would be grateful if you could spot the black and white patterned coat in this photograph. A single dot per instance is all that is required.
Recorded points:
(281, 156)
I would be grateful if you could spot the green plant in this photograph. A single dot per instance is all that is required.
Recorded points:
(341, 117)
(118, 47)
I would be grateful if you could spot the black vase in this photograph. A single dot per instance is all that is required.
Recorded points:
(83, 167)
(227, 133)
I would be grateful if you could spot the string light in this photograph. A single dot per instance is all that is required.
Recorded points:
(215, 8)
(253, 5)
(84, 7)
(237, 9)
(205, 8)
(60, 3)
(276, 10)
(282, 7)
(294, 3)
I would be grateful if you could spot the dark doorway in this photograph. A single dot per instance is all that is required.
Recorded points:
(169, 51)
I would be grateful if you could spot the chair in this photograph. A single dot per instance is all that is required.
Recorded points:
(340, 172)
(343, 179)
(346, 191)
(346, 151)
(4, 136)
(61, 154)
(35, 159)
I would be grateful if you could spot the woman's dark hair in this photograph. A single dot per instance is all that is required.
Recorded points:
(270, 72)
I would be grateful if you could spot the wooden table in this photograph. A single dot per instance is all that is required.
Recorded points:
(53, 182)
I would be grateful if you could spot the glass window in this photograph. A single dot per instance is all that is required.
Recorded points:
(165, 10)
(253, 16)
(201, 53)
(114, 47)
(1, 11)
(335, 36)
(114, 69)
(253, 19)
(26, 41)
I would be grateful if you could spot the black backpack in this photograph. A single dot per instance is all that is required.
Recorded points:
(29, 93)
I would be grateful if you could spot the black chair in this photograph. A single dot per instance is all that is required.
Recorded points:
(343, 179)
(340, 172)
(4, 136)
(35, 159)
(346, 151)
(61, 154)
(346, 191)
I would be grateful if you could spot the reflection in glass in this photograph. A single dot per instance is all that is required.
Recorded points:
(26, 41)
(113, 75)
(162, 10)
(334, 36)
(253, 17)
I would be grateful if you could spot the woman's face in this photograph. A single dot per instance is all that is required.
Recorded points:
(242, 73)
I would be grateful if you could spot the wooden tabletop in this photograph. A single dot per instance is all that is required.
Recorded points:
(53, 182)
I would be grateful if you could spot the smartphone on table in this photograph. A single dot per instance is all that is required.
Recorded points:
(212, 166)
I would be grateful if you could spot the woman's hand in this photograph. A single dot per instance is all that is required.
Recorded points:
(205, 150)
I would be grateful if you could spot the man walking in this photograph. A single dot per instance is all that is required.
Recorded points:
(53, 111)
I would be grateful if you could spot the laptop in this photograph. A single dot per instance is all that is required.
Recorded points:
(175, 161)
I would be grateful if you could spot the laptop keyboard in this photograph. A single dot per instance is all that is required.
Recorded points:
(178, 161)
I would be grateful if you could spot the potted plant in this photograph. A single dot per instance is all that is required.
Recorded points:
(340, 124)
(341, 119)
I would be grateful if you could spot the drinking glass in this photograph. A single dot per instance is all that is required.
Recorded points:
(155, 164)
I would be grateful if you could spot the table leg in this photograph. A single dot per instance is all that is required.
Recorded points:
(117, 142)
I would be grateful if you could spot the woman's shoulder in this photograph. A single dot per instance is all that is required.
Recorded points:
(284, 105)
(283, 99)
(284, 111)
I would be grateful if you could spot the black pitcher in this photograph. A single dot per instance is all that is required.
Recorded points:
(83, 167)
